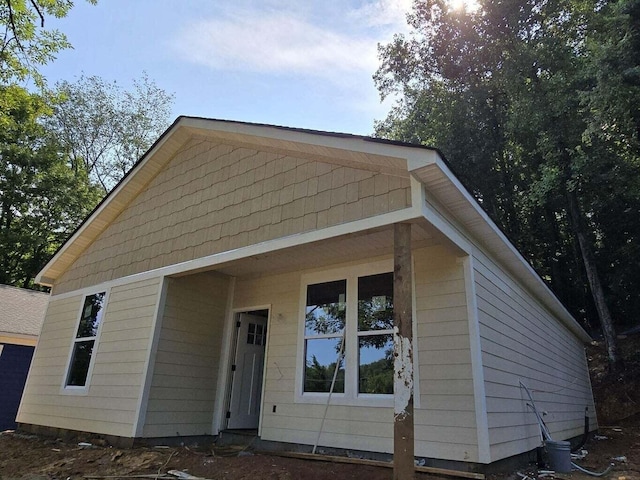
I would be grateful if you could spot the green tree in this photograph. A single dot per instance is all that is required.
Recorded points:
(25, 44)
(104, 128)
(510, 94)
(41, 199)
(318, 377)
(377, 377)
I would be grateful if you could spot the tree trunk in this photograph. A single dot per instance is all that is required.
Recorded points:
(594, 282)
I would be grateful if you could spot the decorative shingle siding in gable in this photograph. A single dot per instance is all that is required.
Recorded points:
(214, 197)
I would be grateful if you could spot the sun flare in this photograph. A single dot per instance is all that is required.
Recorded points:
(470, 6)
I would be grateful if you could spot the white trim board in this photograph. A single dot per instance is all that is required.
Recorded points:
(404, 215)
(147, 376)
(479, 393)
(224, 365)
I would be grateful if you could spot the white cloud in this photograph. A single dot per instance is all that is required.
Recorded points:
(328, 40)
(275, 43)
(329, 46)
(384, 13)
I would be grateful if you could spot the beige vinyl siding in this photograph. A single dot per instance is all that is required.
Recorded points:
(345, 427)
(445, 425)
(185, 368)
(110, 403)
(521, 341)
(214, 197)
(281, 292)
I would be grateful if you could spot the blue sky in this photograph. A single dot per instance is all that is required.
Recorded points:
(297, 63)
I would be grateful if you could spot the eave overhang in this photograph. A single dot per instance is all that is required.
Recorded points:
(446, 193)
(381, 156)
(425, 165)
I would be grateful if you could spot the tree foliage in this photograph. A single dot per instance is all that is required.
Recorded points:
(535, 104)
(105, 128)
(41, 199)
(59, 151)
(318, 377)
(24, 42)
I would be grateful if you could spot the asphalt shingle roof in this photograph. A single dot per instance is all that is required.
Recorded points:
(21, 310)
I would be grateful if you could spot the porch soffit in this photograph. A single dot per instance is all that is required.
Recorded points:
(349, 150)
(353, 247)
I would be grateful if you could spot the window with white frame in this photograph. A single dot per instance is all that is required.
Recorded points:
(375, 334)
(324, 323)
(357, 308)
(85, 339)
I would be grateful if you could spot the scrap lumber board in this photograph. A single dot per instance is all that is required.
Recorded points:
(374, 463)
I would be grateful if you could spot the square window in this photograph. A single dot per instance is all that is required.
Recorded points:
(321, 356)
(326, 308)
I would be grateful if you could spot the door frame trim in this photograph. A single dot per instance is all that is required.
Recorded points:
(231, 345)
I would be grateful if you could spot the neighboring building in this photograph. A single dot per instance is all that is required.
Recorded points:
(209, 291)
(21, 315)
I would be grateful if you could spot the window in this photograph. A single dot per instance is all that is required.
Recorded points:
(324, 322)
(375, 334)
(355, 307)
(84, 341)
(257, 334)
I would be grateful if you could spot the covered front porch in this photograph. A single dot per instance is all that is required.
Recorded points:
(230, 347)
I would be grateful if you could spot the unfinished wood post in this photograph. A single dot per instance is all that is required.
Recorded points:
(403, 437)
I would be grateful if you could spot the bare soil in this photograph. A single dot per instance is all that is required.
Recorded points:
(29, 457)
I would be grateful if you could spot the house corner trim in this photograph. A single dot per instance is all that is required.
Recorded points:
(480, 398)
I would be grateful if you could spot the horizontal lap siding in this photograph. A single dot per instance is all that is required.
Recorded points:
(521, 341)
(214, 197)
(110, 404)
(446, 422)
(185, 370)
(281, 292)
(345, 427)
(445, 425)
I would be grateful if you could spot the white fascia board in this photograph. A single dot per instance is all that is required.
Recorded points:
(442, 225)
(414, 155)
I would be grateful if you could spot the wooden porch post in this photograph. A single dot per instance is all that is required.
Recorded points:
(403, 437)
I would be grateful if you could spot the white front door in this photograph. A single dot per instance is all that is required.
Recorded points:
(246, 386)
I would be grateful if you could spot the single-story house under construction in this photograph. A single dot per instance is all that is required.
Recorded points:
(213, 287)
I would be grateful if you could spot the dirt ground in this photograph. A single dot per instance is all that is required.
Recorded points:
(28, 457)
